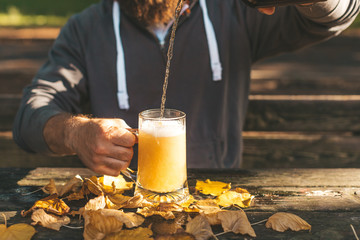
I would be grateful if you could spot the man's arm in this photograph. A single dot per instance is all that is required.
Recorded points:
(49, 120)
(103, 145)
(294, 27)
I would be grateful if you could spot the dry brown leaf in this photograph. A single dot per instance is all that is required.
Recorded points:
(50, 188)
(51, 204)
(177, 236)
(214, 188)
(173, 207)
(199, 227)
(48, 220)
(118, 201)
(97, 225)
(92, 184)
(282, 221)
(212, 217)
(19, 231)
(207, 205)
(153, 210)
(236, 221)
(96, 203)
(76, 195)
(230, 198)
(139, 233)
(73, 185)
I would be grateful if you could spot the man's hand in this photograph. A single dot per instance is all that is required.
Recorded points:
(103, 145)
(267, 11)
(271, 10)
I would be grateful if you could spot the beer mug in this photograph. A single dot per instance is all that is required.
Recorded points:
(162, 172)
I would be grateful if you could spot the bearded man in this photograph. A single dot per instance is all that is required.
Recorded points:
(109, 61)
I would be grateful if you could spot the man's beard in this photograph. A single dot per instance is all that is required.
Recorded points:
(150, 12)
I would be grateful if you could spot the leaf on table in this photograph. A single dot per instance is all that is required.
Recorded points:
(92, 184)
(51, 204)
(214, 188)
(177, 236)
(212, 217)
(49, 221)
(98, 225)
(73, 185)
(117, 201)
(101, 222)
(207, 205)
(199, 227)
(153, 210)
(282, 221)
(76, 195)
(50, 188)
(166, 227)
(112, 185)
(173, 207)
(236, 221)
(230, 198)
(96, 203)
(188, 202)
(139, 233)
(19, 231)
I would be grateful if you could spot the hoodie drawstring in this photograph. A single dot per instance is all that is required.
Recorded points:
(122, 95)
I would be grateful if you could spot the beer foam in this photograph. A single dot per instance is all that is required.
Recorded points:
(163, 128)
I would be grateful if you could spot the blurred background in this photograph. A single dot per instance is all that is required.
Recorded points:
(304, 108)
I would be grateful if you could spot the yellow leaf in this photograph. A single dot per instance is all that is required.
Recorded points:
(113, 185)
(214, 188)
(230, 198)
(20, 231)
(50, 188)
(133, 234)
(73, 185)
(188, 202)
(50, 204)
(199, 227)
(282, 221)
(236, 221)
(49, 221)
(117, 201)
(153, 210)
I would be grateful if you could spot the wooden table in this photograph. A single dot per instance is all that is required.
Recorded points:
(326, 198)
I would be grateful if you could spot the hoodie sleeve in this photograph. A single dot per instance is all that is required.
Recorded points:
(294, 27)
(59, 86)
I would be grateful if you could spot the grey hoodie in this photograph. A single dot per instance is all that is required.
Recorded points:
(80, 75)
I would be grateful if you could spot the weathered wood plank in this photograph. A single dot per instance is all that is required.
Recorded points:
(284, 150)
(323, 197)
(303, 115)
(13, 156)
(261, 150)
(289, 113)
